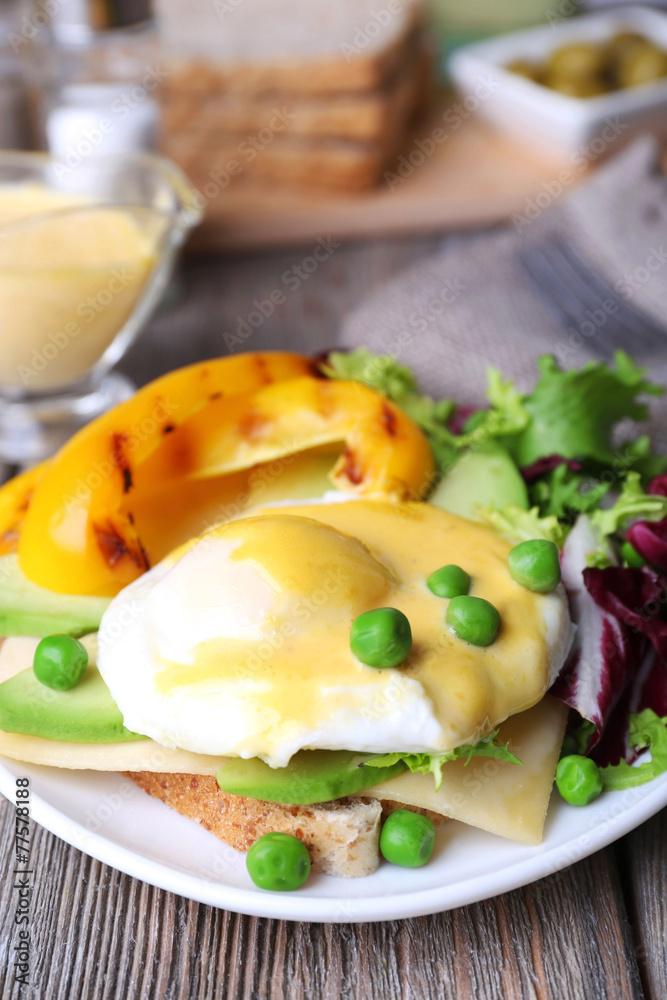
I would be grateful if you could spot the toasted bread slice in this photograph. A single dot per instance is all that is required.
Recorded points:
(366, 116)
(280, 155)
(303, 47)
(342, 837)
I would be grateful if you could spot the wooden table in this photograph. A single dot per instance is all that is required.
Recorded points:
(596, 931)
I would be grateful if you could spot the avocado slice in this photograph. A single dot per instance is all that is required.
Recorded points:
(85, 714)
(311, 776)
(485, 477)
(28, 609)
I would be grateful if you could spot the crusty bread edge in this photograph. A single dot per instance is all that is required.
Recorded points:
(342, 837)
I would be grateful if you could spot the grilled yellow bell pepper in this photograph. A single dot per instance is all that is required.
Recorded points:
(80, 536)
(72, 540)
(384, 453)
(15, 497)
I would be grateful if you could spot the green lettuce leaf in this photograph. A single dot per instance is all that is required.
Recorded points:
(637, 455)
(574, 413)
(379, 371)
(432, 763)
(506, 415)
(632, 505)
(578, 739)
(565, 493)
(646, 729)
(521, 525)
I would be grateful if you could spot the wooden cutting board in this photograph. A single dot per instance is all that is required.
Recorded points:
(472, 177)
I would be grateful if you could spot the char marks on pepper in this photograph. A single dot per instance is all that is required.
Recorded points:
(115, 547)
(120, 459)
(252, 425)
(388, 418)
(352, 467)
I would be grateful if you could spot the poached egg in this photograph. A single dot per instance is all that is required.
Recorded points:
(238, 642)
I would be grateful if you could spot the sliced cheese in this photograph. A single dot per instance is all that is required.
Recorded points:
(505, 799)
(140, 755)
(16, 654)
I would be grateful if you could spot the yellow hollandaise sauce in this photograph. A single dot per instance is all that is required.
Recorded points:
(71, 273)
(241, 640)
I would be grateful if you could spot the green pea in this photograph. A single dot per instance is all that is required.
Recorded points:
(631, 557)
(407, 838)
(60, 661)
(578, 779)
(449, 581)
(535, 565)
(278, 862)
(473, 619)
(381, 638)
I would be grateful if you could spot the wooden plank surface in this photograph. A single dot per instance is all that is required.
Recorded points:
(594, 931)
(99, 934)
(455, 172)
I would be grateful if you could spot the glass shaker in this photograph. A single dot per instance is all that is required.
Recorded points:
(95, 76)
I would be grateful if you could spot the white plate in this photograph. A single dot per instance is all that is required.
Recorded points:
(109, 818)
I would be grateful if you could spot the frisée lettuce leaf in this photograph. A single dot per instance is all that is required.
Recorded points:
(521, 525)
(633, 504)
(646, 729)
(427, 763)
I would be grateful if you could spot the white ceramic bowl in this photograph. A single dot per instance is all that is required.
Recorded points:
(584, 127)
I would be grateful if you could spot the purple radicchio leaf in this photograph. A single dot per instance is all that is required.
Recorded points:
(635, 597)
(605, 650)
(650, 540)
(531, 473)
(658, 486)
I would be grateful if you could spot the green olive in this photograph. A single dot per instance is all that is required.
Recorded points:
(621, 43)
(580, 60)
(575, 86)
(642, 64)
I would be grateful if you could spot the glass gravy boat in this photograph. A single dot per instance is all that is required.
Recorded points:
(85, 254)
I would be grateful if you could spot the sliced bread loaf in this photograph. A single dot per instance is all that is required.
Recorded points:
(306, 46)
(363, 116)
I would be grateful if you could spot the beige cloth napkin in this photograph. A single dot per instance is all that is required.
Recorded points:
(459, 311)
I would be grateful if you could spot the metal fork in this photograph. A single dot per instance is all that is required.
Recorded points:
(578, 294)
